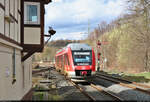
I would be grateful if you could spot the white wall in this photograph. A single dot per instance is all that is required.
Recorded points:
(8, 29)
(22, 85)
(32, 35)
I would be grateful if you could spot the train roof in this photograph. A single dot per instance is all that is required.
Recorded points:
(79, 46)
(76, 46)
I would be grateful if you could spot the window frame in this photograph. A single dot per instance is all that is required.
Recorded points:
(38, 13)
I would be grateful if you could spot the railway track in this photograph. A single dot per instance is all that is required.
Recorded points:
(98, 89)
(124, 80)
(105, 92)
(125, 83)
(83, 91)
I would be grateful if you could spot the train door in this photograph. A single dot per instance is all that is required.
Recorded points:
(63, 67)
(55, 62)
(62, 64)
(59, 63)
(66, 62)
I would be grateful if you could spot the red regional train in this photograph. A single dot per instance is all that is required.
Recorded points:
(76, 61)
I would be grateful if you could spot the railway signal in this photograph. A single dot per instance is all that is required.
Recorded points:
(98, 52)
(98, 46)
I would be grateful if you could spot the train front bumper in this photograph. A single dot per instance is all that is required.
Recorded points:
(72, 74)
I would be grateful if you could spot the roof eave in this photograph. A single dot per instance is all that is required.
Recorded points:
(47, 1)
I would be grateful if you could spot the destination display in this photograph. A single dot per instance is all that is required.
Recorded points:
(82, 64)
(82, 58)
(81, 53)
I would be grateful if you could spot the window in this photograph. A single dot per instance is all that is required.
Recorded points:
(82, 58)
(31, 13)
(67, 59)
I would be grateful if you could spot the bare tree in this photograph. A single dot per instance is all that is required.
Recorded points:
(139, 18)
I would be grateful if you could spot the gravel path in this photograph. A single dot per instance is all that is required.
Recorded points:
(67, 90)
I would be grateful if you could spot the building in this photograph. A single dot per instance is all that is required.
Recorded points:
(21, 35)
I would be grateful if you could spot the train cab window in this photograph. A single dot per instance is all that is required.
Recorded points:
(82, 58)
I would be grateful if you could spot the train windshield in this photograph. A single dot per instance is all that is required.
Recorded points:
(82, 58)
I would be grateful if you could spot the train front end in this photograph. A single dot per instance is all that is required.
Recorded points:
(83, 59)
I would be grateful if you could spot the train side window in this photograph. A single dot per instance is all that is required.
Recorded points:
(68, 60)
(65, 59)
(61, 61)
(56, 60)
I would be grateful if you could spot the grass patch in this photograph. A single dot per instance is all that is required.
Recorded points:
(55, 97)
(144, 74)
(38, 96)
(139, 77)
(41, 96)
(143, 77)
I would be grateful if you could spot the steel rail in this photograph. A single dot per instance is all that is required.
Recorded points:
(81, 90)
(107, 93)
(84, 92)
(134, 83)
(125, 85)
(97, 88)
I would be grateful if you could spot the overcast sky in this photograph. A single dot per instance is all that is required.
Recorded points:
(70, 18)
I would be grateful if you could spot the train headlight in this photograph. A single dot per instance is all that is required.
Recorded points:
(73, 67)
(90, 67)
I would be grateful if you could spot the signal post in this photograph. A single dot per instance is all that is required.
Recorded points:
(98, 47)
(98, 54)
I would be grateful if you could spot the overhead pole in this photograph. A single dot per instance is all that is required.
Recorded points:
(98, 45)
(95, 38)
(88, 27)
